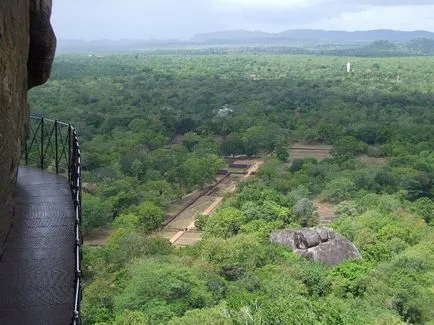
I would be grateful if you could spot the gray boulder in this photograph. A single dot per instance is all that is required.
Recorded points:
(317, 244)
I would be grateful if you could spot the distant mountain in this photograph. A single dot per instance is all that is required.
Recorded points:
(381, 46)
(108, 46)
(233, 35)
(378, 48)
(421, 46)
(310, 35)
(368, 43)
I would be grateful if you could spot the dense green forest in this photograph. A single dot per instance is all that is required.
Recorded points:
(155, 127)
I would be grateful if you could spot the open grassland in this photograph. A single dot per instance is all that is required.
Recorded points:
(303, 151)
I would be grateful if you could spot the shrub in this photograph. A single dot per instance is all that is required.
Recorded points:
(348, 209)
(304, 213)
(225, 223)
(340, 189)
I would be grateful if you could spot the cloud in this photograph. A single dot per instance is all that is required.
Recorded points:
(396, 3)
(307, 3)
(117, 19)
(168, 19)
(254, 4)
(291, 13)
(399, 17)
(332, 14)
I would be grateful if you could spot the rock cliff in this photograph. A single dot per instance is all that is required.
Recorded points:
(317, 244)
(27, 45)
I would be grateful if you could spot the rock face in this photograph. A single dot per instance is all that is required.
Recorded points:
(42, 43)
(27, 45)
(317, 244)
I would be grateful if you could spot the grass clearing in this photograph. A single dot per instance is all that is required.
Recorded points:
(303, 151)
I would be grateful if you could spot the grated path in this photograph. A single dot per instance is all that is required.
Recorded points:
(37, 264)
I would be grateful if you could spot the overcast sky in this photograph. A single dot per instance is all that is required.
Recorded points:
(181, 19)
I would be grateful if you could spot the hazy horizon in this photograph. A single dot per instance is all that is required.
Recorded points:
(181, 20)
(228, 30)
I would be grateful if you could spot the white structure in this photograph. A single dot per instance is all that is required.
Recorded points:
(348, 67)
(225, 111)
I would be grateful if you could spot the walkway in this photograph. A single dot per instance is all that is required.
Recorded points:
(37, 266)
(181, 231)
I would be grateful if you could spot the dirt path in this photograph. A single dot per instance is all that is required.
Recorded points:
(208, 211)
(213, 206)
(253, 169)
(325, 210)
(98, 236)
(303, 151)
(181, 231)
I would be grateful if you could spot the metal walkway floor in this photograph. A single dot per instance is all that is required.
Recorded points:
(37, 265)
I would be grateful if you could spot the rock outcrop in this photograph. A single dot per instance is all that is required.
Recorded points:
(27, 45)
(317, 244)
(42, 43)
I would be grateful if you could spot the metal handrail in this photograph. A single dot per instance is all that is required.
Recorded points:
(54, 145)
(75, 183)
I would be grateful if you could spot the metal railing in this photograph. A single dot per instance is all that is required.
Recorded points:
(54, 146)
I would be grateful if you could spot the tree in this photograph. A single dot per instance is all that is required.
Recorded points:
(200, 170)
(122, 193)
(145, 217)
(97, 212)
(131, 318)
(417, 184)
(232, 146)
(160, 192)
(424, 207)
(136, 168)
(346, 147)
(218, 315)
(348, 208)
(340, 189)
(304, 213)
(150, 215)
(184, 125)
(260, 138)
(282, 153)
(225, 223)
(190, 140)
(161, 289)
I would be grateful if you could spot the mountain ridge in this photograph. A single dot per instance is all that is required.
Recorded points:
(311, 35)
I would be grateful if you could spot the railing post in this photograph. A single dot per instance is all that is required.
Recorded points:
(41, 158)
(26, 152)
(69, 153)
(56, 154)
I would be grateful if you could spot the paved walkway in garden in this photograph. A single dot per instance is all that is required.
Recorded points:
(37, 265)
(182, 231)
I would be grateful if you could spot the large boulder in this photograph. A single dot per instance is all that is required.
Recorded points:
(27, 46)
(42, 43)
(317, 244)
